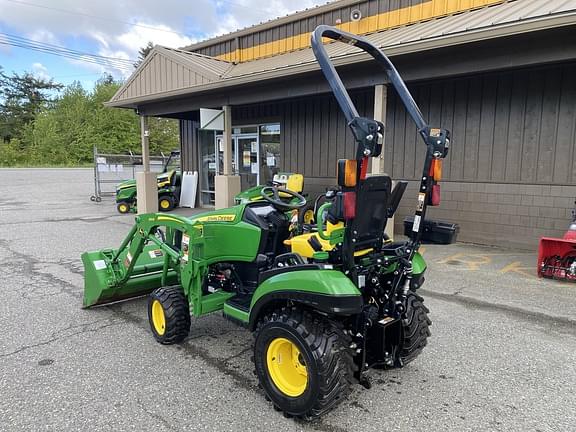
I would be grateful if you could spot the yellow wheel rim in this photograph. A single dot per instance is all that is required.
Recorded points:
(123, 208)
(164, 204)
(309, 216)
(158, 319)
(287, 367)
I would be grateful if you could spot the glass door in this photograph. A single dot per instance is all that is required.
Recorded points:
(207, 169)
(247, 158)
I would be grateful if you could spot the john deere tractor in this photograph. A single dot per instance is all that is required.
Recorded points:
(324, 307)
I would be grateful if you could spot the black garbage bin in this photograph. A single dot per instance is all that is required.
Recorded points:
(434, 231)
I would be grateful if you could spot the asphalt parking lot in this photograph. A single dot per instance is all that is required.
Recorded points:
(501, 357)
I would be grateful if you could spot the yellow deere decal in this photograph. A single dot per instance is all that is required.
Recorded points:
(217, 218)
(167, 218)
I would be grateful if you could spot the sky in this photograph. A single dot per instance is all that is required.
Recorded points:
(118, 29)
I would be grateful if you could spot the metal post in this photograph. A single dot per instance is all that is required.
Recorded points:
(380, 99)
(226, 185)
(146, 183)
(227, 140)
(145, 134)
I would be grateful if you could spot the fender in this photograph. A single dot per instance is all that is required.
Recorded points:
(326, 290)
(418, 264)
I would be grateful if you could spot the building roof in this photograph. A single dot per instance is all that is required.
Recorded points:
(158, 77)
(315, 10)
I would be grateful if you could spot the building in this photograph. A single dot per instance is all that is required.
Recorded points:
(498, 74)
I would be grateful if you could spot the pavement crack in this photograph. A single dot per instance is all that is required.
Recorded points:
(65, 333)
(154, 415)
(194, 351)
(244, 351)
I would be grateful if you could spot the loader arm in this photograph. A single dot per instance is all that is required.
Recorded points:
(142, 263)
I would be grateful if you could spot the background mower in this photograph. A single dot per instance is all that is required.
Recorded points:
(169, 182)
(320, 318)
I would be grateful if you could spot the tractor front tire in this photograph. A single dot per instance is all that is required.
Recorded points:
(166, 203)
(168, 315)
(123, 207)
(303, 362)
(415, 330)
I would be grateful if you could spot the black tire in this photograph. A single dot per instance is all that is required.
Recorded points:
(415, 330)
(324, 353)
(166, 202)
(175, 312)
(123, 207)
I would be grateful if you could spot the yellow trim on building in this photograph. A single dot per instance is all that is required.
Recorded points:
(384, 21)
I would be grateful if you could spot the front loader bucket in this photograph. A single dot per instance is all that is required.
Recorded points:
(105, 280)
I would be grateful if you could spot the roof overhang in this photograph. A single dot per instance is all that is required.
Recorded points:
(500, 21)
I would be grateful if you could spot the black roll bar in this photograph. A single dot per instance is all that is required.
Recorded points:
(366, 130)
(337, 86)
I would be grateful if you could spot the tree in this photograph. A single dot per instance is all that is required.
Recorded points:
(143, 53)
(22, 98)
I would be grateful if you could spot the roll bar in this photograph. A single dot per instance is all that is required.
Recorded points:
(336, 83)
(366, 130)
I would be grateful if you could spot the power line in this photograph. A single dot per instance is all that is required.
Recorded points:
(20, 42)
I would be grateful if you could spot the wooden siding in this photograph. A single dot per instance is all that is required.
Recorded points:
(313, 131)
(507, 127)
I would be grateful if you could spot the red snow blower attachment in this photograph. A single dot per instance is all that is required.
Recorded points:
(557, 257)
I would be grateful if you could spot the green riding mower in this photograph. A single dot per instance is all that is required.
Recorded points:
(169, 182)
(325, 306)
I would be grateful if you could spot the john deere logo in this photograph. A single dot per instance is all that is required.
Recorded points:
(217, 218)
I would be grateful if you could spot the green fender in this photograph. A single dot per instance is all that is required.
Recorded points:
(329, 291)
(418, 264)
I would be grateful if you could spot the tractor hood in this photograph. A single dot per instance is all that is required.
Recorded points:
(127, 184)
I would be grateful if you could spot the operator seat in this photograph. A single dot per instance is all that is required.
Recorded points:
(372, 211)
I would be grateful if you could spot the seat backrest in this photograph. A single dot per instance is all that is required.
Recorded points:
(372, 201)
(295, 183)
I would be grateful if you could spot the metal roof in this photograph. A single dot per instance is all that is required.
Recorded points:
(510, 18)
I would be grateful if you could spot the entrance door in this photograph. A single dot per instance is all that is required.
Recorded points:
(245, 158)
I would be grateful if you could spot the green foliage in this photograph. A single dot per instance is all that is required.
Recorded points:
(22, 98)
(65, 130)
(143, 53)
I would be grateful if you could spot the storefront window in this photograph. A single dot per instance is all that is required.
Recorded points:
(269, 152)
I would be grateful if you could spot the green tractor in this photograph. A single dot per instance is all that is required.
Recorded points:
(169, 182)
(325, 306)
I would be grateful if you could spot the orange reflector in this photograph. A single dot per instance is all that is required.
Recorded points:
(436, 169)
(347, 172)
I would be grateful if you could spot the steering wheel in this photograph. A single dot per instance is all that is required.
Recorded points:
(272, 195)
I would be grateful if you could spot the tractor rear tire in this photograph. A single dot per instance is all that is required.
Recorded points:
(168, 315)
(166, 203)
(303, 362)
(415, 330)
